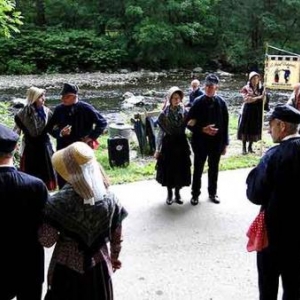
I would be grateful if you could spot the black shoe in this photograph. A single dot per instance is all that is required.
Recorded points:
(194, 201)
(169, 200)
(250, 150)
(244, 152)
(178, 201)
(178, 197)
(214, 198)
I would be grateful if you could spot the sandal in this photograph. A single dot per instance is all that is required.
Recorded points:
(195, 201)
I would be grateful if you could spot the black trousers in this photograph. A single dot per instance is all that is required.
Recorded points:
(212, 154)
(24, 291)
(271, 266)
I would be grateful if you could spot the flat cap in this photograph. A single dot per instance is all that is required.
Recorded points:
(211, 79)
(285, 113)
(69, 88)
(8, 139)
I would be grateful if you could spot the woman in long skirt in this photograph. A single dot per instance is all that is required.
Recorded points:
(172, 147)
(250, 120)
(36, 145)
(82, 219)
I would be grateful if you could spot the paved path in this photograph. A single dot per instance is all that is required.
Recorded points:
(186, 252)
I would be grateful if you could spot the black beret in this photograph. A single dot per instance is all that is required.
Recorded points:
(286, 113)
(211, 79)
(69, 89)
(8, 139)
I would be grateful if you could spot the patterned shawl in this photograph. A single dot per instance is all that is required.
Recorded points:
(172, 120)
(33, 120)
(89, 225)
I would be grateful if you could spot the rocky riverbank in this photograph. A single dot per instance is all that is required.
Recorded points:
(106, 86)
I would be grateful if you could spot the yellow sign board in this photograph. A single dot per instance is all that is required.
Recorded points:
(281, 71)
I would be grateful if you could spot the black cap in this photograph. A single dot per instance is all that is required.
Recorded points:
(285, 113)
(69, 89)
(8, 139)
(211, 79)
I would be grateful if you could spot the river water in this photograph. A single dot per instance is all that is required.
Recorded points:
(105, 91)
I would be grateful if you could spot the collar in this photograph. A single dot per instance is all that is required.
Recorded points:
(295, 135)
(8, 166)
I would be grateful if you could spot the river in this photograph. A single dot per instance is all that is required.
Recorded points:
(105, 91)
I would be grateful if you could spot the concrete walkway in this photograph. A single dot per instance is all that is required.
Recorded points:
(182, 252)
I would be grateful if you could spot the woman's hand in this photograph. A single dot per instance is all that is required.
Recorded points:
(156, 154)
(116, 264)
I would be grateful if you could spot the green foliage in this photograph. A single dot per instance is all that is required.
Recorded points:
(59, 51)
(6, 117)
(17, 67)
(99, 35)
(10, 19)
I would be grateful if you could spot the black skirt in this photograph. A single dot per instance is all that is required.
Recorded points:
(173, 167)
(95, 284)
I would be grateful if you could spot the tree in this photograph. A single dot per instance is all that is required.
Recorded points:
(40, 10)
(10, 19)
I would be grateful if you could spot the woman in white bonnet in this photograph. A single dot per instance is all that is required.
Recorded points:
(82, 219)
(173, 167)
(37, 148)
(250, 120)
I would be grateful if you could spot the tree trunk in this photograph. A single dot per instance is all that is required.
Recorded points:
(40, 13)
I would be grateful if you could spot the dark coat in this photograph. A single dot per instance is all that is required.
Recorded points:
(22, 201)
(194, 95)
(84, 119)
(210, 111)
(274, 184)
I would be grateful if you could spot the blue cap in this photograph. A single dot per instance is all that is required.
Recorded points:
(211, 79)
(285, 113)
(8, 139)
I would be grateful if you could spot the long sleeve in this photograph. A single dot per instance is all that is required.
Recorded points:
(48, 235)
(159, 138)
(259, 187)
(115, 243)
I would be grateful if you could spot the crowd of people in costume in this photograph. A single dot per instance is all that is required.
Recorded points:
(83, 218)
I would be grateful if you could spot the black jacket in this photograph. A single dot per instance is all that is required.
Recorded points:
(22, 201)
(210, 111)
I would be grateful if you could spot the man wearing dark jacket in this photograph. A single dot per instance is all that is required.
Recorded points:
(22, 201)
(74, 121)
(274, 184)
(195, 92)
(209, 137)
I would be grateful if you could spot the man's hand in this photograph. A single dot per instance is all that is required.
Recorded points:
(210, 129)
(66, 130)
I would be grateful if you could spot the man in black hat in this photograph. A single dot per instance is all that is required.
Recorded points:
(209, 137)
(75, 121)
(22, 201)
(273, 184)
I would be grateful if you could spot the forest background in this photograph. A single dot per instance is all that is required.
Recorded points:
(103, 35)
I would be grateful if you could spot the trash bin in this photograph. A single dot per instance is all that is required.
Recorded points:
(120, 129)
(118, 151)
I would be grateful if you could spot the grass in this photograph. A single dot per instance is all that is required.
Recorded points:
(143, 168)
